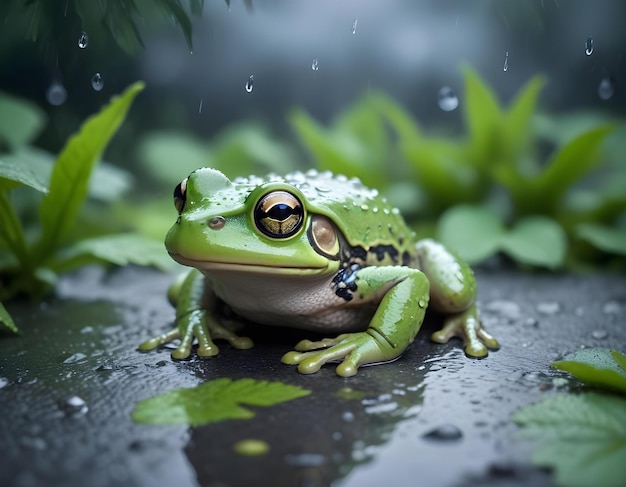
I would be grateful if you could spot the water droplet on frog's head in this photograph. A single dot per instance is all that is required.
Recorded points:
(56, 94)
(589, 46)
(73, 406)
(97, 83)
(447, 99)
(605, 89)
(83, 40)
(506, 61)
(354, 26)
(445, 432)
(314, 65)
(250, 84)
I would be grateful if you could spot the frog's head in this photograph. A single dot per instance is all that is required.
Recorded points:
(249, 226)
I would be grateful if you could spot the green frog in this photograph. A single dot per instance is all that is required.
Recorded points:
(314, 251)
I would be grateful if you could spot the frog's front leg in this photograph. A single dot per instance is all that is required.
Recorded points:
(195, 318)
(453, 292)
(402, 297)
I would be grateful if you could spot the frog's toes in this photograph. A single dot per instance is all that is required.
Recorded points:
(308, 345)
(159, 340)
(467, 326)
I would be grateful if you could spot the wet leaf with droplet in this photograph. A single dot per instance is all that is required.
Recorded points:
(596, 367)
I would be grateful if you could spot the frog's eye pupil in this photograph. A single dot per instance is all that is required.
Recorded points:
(180, 195)
(279, 214)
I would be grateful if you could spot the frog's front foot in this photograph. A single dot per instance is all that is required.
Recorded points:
(355, 349)
(196, 325)
(467, 326)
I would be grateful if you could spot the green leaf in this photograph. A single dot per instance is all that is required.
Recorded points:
(214, 401)
(473, 232)
(12, 175)
(20, 121)
(120, 250)
(517, 119)
(11, 232)
(536, 241)
(583, 437)
(6, 320)
(70, 175)
(596, 367)
(175, 9)
(607, 239)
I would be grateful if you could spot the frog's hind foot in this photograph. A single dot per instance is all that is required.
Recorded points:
(467, 326)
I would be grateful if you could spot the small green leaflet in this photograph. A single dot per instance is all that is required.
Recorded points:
(214, 401)
(596, 367)
(6, 320)
(12, 175)
(582, 436)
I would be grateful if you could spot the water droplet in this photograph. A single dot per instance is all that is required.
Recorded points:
(77, 357)
(599, 334)
(97, 83)
(73, 406)
(305, 460)
(589, 46)
(549, 308)
(56, 94)
(86, 329)
(447, 99)
(314, 65)
(3, 382)
(200, 106)
(83, 40)
(445, 432)
(250, 84)
(505, 309)
(348, 416)
(611, 308)
(354, 26)
(605, 89)
(506, 61)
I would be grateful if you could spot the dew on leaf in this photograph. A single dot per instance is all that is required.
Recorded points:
(56, 94)
(447, 99)
(97, 83)
(314, 65)
(83, 40)
(605, 89)
(589, 46)
(250, 84)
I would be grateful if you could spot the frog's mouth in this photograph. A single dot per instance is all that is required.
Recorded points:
(249, 268)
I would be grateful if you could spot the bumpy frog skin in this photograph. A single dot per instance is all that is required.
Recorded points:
(312, 251)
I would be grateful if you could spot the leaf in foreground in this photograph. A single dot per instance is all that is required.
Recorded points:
(583, 437)
(214, 401)
(596, 367)
(6, 320)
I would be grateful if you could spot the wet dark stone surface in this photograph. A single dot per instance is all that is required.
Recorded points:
(69, 382)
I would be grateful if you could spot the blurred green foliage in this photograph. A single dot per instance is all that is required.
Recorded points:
(41, 201)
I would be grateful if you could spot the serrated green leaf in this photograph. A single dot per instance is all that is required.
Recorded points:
(6, 320)
(583, 437)
(536, 241)
(70, 175)
(607, 239)
(20, 121)
(473, 232)
(214, 401)
(12, 175)
(120, 250)
(596, 367)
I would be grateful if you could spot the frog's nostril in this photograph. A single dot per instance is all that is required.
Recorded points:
(217, 223)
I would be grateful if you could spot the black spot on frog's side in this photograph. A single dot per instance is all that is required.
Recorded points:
(344, 283)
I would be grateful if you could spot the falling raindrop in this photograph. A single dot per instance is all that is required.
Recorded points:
(589, 46)
(506, 61)
(83, 40)
(354, 26)
(605, 89)
(447, 99)
(200, 107)
(56, 94)
(314, 65)
(97, 83)
(250, 84)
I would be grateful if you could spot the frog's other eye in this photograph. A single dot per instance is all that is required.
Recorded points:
(180, 195)
(279, 214)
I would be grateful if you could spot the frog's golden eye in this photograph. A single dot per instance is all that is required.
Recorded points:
(279, 214)
(180, 195)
